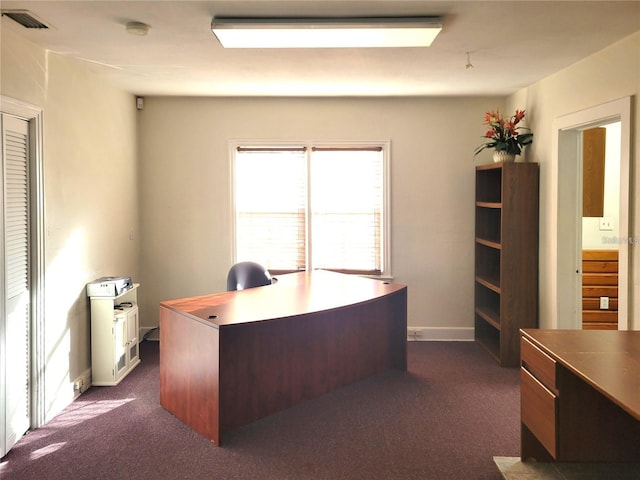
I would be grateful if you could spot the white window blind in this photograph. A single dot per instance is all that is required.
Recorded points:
(346, 204)
(311, 206)
(270, 200)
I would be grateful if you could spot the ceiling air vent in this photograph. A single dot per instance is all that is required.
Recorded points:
(24, 18)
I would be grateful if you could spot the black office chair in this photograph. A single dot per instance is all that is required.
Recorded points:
(247, 275)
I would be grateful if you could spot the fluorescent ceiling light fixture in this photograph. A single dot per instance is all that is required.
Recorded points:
(326, 32)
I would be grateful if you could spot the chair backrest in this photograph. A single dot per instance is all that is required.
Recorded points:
(247, 275)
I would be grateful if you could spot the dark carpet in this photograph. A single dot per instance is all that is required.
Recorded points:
(446, 418)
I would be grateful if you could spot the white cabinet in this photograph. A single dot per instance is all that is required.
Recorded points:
(114, 337)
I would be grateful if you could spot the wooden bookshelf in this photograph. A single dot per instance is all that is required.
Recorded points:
(506, 257)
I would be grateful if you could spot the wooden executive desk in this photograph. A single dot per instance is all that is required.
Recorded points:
(580, 394)
(231, 358)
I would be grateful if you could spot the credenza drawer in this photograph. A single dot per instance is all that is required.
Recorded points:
(539, 411)
(539, 364)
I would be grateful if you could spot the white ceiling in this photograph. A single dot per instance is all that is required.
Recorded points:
(511, 45)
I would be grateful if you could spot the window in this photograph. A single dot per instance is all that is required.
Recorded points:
(308, 206)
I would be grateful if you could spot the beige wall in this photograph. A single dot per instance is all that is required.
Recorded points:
(608, 75)
(90, 181)
(185, 197)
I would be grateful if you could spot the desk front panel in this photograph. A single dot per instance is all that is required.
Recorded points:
(269, 366)
(220, 373)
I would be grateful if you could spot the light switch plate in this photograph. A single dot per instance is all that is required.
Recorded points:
(604, 303)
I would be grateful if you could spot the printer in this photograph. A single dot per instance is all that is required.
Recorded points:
(109, 286)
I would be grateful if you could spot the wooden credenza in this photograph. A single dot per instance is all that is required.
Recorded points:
(231, 358)
(580, 395)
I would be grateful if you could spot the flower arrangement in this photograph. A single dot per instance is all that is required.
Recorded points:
(504, 135)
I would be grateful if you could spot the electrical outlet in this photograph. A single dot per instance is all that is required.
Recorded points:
(604, 303)
(606, 224)
(82, 383)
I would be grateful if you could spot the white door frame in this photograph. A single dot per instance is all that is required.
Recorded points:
(565, 145)
(34, 115)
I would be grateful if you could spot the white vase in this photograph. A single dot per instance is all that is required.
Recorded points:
(503, 156)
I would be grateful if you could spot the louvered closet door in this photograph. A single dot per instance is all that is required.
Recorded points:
(16, 284)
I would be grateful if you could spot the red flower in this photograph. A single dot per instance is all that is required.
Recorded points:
(518, 116)
(492, 118)
(505, 134)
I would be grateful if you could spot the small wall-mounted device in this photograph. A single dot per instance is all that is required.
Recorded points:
(139, 103)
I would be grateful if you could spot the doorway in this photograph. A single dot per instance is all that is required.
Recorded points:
(567, 172)
(600, 180)
(22, 270)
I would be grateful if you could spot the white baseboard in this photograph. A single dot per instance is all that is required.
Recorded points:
(449, 334)
(143, 330)
(418, 334)
(424, 334)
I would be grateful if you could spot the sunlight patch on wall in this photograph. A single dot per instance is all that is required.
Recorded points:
(61, 292)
